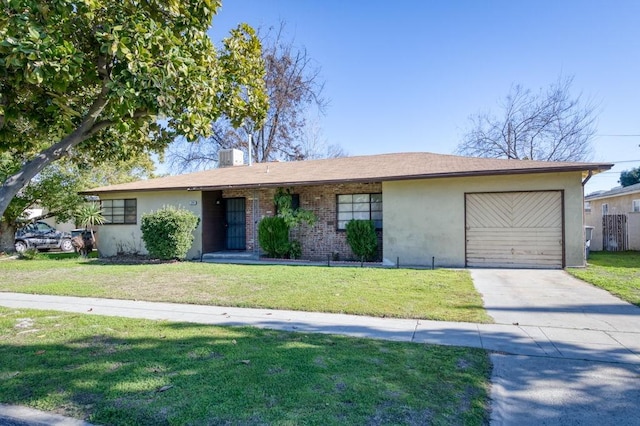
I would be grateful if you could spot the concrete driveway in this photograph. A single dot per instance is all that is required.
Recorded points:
(552, 298)
(577, 322)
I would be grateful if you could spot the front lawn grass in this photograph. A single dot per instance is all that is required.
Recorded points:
(116, 371)
(447, 295)
(616, 272)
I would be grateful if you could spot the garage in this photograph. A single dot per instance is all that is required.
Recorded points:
(514, 229)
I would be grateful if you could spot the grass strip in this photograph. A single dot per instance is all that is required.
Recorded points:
(616, 272)
(138, 372)
(447, 295)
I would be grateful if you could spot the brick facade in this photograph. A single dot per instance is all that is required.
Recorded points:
(318, 241)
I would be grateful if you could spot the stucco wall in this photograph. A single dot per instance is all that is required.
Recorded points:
(422, 218)
(61, 226)
(633, 227)
(114, 239)
(621, 204)
(425, 218)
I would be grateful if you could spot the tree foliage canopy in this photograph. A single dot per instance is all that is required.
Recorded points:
(102, 80)
(630, 177)
(294, 88)
(548, 125)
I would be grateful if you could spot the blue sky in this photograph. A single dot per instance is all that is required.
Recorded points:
(406, 75)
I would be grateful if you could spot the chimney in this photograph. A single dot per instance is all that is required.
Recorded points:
(230, 157)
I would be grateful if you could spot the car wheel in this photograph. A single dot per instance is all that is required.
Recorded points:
(20, 246)
(66, 245)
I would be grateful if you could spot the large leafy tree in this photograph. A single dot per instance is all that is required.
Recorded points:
(548, 125)
(106, 80)
(630, 177)
(294, 88)
(56, 189)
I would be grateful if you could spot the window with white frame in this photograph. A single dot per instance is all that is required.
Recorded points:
(605, 209)
(359, 206)
(118, 212)
(587, 206)
(635, 206)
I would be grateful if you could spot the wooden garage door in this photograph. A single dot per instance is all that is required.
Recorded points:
(514, 229)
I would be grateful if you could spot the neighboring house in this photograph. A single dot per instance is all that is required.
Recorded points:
(461, 211)
(615, 218)
(60, 226)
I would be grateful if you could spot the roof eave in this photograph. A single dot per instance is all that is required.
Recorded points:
(595, 168)
(605, 196)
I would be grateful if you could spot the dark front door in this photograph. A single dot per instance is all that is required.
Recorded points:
(235, 238)
(213, 222)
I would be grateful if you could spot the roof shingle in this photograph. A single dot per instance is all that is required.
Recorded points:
(371, 168)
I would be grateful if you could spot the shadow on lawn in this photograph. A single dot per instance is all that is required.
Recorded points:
(197, 374)
(556, 383)
(242, 375)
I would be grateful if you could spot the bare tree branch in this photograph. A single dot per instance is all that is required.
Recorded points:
(294, 88)
(549, 125)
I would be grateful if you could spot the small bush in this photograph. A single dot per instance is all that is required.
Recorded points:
(31, 254)
(295, 250)
(273, 236)
(362, 238)
(168, 233)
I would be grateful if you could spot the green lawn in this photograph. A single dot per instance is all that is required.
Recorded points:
(446, 295)
(137, 372)
(616, 272)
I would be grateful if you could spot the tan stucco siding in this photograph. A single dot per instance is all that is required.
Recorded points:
(113, 239)
(633, 228)
(426, 218)
(620, 204)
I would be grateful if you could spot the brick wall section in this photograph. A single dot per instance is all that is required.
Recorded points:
(320, 240)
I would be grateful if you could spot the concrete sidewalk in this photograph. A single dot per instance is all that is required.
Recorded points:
(12, 415)
(538, 341)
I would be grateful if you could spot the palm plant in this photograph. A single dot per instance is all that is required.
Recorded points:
(89, 215)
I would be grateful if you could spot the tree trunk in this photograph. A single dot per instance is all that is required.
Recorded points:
(7, 237)
(30, 169)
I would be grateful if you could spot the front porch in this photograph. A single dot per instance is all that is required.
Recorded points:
(230, 219)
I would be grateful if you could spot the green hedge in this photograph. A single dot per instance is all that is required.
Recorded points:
(362, 238)
(168, 233)
(273, 236)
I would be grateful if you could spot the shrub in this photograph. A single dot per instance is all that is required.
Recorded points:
(30, 254)
(273, 236)
(168, 232)
(362, 238)
(292, 217)
(295, 250)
